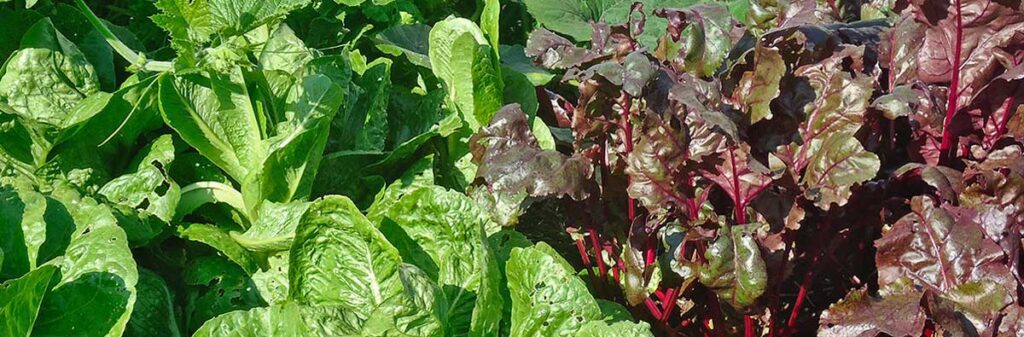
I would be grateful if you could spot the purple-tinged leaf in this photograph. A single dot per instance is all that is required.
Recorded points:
(732, 173)
(758, 87)
(555, 52)
(898, 51)
(946, 182)
(939, 248)
(510, 160)
(896, 312)
(657, 166)
(969, 308)
(703, 49)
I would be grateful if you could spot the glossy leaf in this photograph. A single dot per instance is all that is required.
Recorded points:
(510, 160)
(341, 259)
(20, 299)
(47, 77)
(735, 268)
(548, 299)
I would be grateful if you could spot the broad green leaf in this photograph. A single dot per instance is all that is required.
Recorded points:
(20, 299)
(441, 232)
(215, 116)
(418, 175)
(220, 240)
(16, 143)
(341, 259)
(34, 228)
(17, 23)
(413, 313)
(294, 153)
(47, 77)
(461, 58)
(153, 314)
(548, 299)
(115, 129)
(284, 51)
(96, 293)
(410, 40)
(478, 89)
(613, 311)
(237, 17)
(365, 126)
(519, 89)
(603, 329)
(278, 320)
(148, 184)
(501, 245)
(215, 285)
(442, 46)
(346, 173)
(272, 282)
(273, 228)
(735, 268)
(489, 21)
(514, 58)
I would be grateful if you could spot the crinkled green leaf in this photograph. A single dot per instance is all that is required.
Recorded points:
(341, 259)
(295, 152)
(548, 299)
(461, 57)
(215, 285)
(47, 77)
(272, 282)
(442, 232)
(604, 329)
(148, 185)
(274, 227)
(215, 116)
(284, 51)
(279, 320)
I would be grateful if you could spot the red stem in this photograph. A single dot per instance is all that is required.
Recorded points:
(804, 286)
(628, 142)
(954, 87)
(748, 326)
(668, 304)
(652, 307)
(595, 242)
